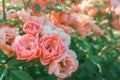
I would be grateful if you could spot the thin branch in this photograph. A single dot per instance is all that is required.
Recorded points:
(4, 12)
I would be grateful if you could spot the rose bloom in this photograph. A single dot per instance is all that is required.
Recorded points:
(12, 15)
(64, 36)
(32, 27)
(26, 47)
(96, 29)
(17, 3)
(84, 30)
(116, 24)
(65, 65)
(92, 11)
(106, 21)
(1, 9)
(25, 15)
(103, 10)
(51, 47)
(117, 10)
(77, 20)
(7, 35)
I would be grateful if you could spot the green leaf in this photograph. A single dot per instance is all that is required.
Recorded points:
(2, 21)
(49, 4)
(98, 6)
(3, 74)
(37, 7)
(66, 5)
(86, 44)
(21, 75)
(47, 11)
(58, 7)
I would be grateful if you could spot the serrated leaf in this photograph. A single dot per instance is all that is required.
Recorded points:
(21, 75)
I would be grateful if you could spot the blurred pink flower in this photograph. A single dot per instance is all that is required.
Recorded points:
(51, 47)
(25, 15)
(7, 35)
(32, 27)
(26, 47)
(114, 2)
(96, 29)
(1, 9)
(92, 11)
(117, 10)
(12, 15)
(84, 30)
(65, 65)
(105, 22)
(116, 24)
(77, 20)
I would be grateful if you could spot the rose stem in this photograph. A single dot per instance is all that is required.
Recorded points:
(25, 7)
(4, 13)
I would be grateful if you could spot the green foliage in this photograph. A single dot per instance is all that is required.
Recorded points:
(37, 7)
(58, 7)
(21, 75)
(47, 11)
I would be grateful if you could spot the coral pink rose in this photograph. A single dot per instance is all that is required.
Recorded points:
(51, 47)
(32, 27)
(12, 15)
(65, 65)
(116, 24)
(92, 11)
(77, 20)
(7, 36)
(84, 30)
(96, 29)
(26, 47)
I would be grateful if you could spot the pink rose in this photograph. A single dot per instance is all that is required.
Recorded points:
(1, 9)
(32, 27)
(65, 65)
(26, 47)
(7, 36)
(117, 10)
(84, 30)
(51, 48)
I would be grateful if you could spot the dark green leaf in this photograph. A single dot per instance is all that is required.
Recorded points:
(57, 7)
(21, 75)
(47, 11)
(37, 7)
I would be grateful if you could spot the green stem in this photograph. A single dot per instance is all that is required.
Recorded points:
(4, 13)
(3, 74)
(25, 7)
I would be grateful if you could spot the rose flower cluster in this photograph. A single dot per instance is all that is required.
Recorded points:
(49, 47)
